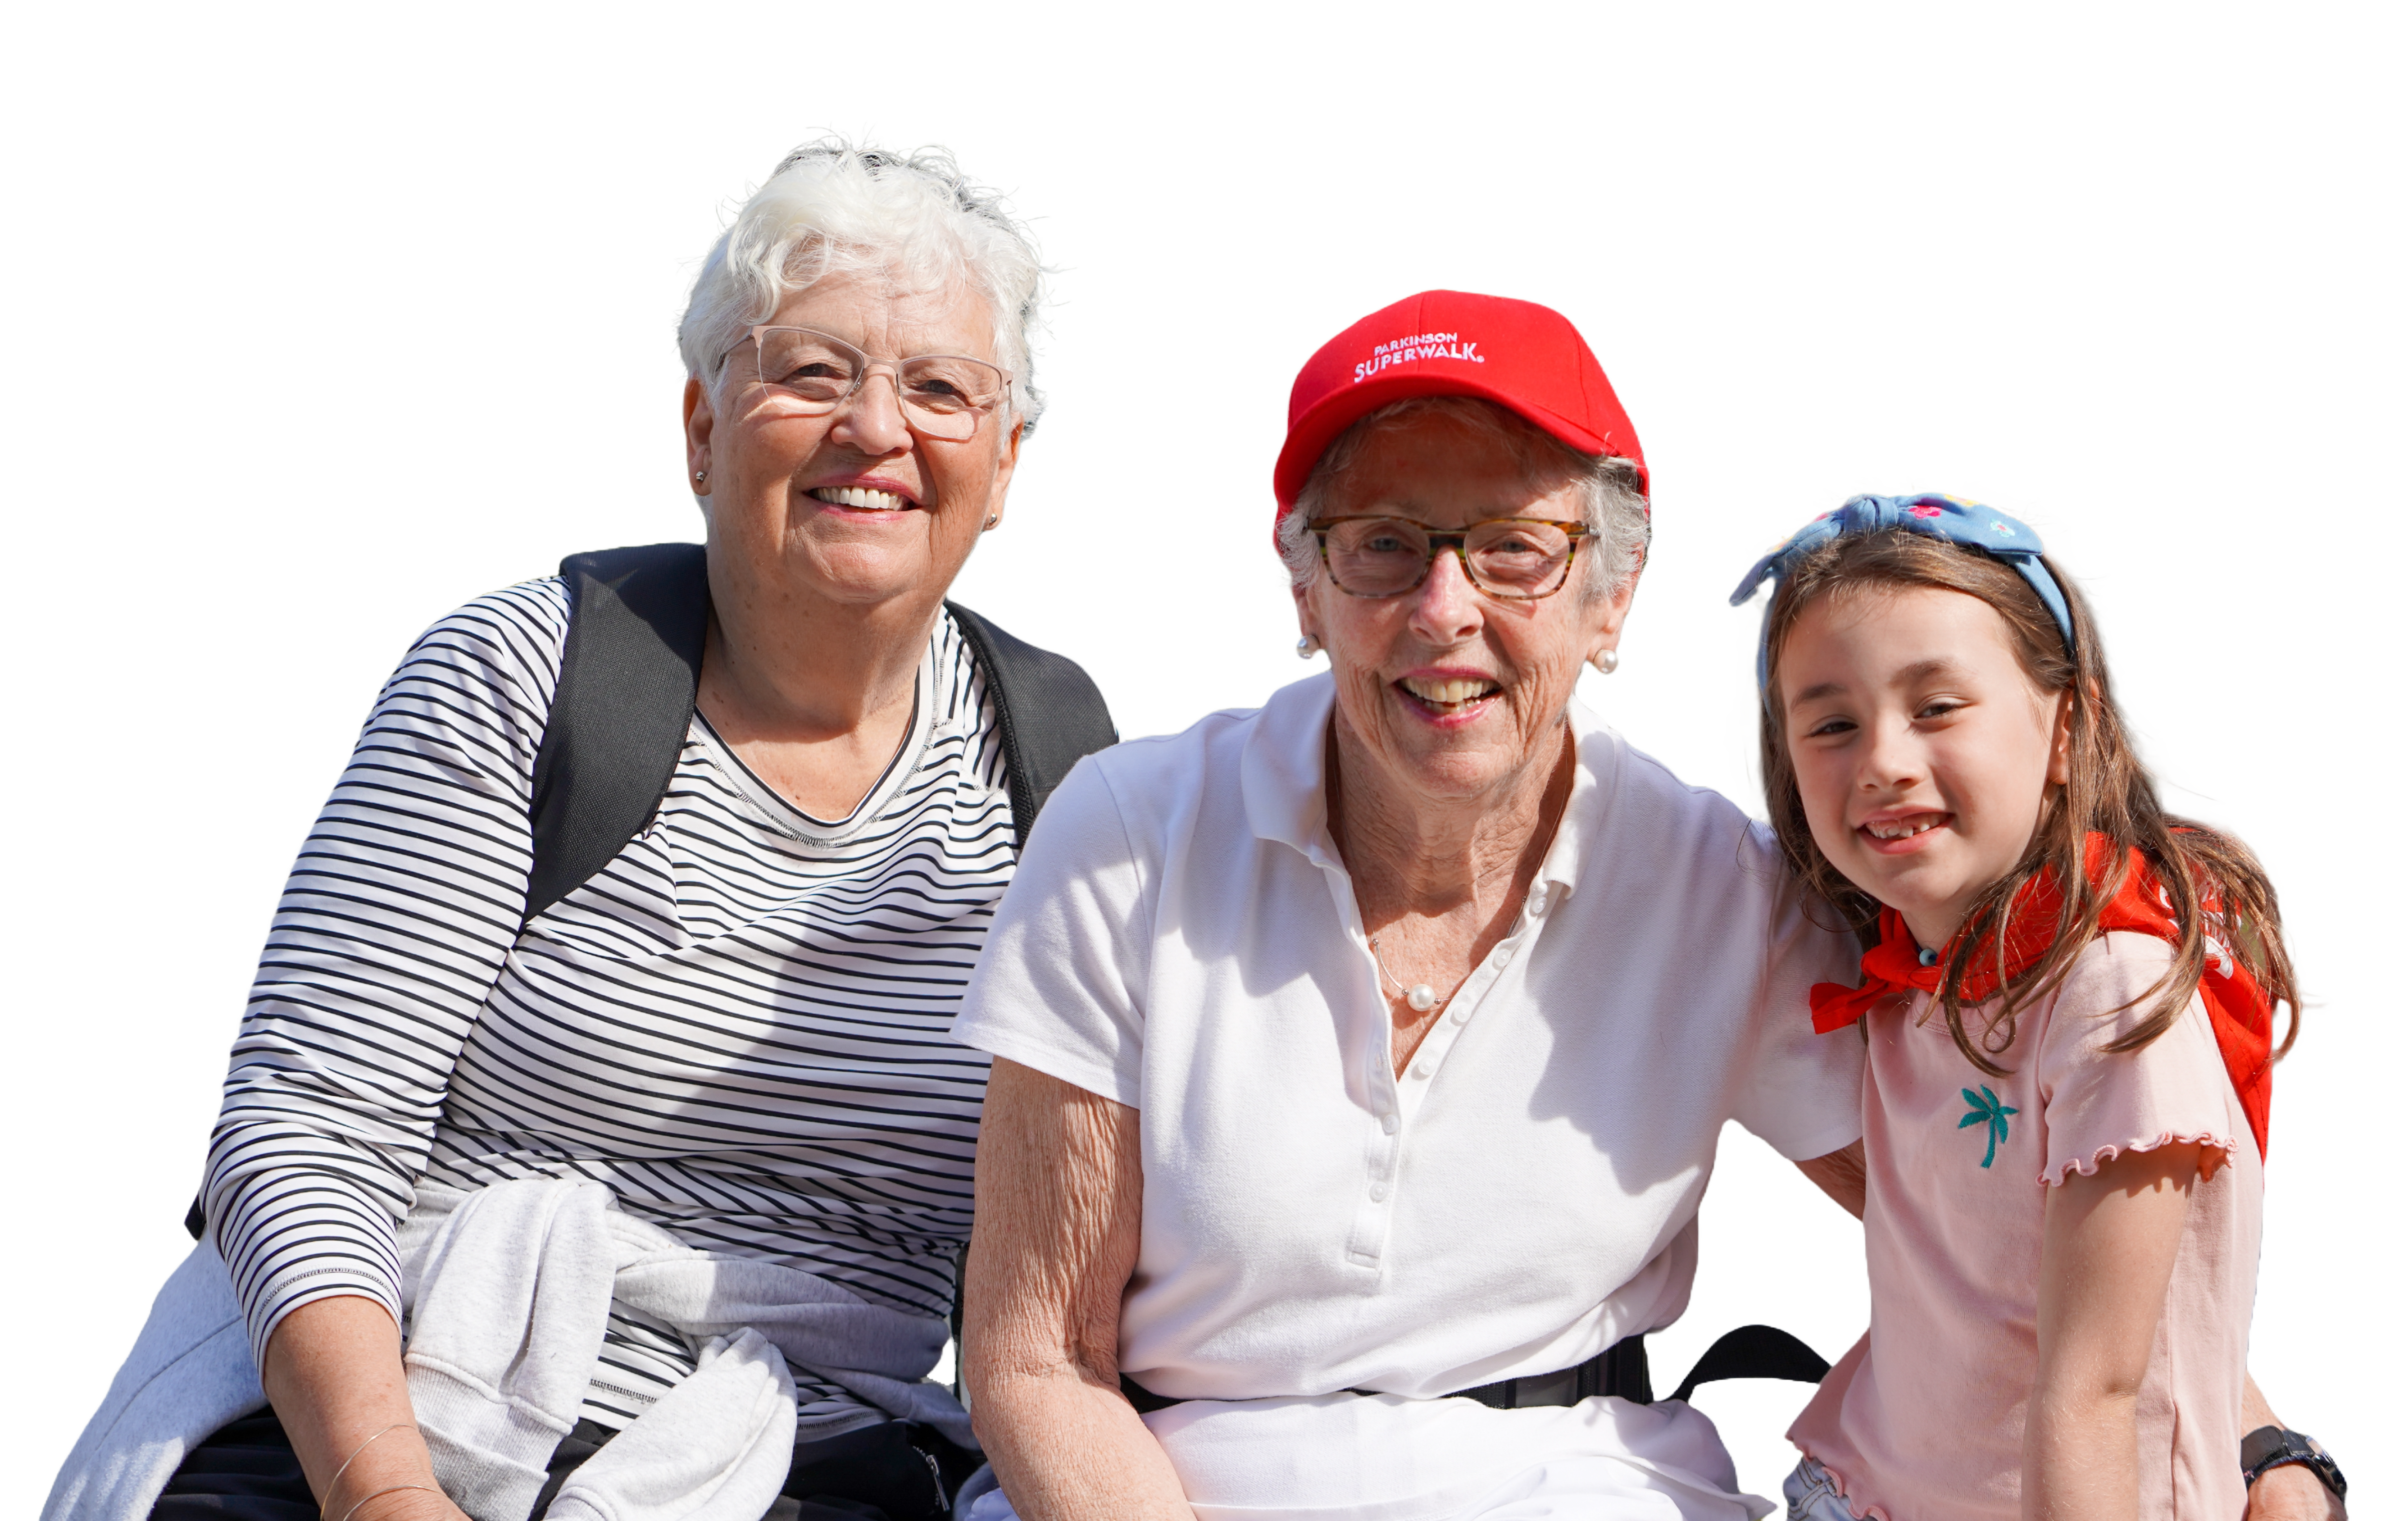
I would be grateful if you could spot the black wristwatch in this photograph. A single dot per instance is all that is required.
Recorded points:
(2271, 1447)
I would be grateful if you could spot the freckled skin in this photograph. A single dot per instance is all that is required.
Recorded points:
(1060, 1188)
(1909, 707)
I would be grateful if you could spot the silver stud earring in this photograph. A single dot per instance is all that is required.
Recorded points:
(1605, 660)
(1307, 647)
(991, 523)
(698, 475)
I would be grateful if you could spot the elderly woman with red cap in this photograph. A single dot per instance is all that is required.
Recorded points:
(1360, 1059)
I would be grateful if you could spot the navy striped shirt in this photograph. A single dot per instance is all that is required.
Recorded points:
(738, 1025)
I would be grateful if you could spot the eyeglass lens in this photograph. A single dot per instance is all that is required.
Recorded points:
(1384, 556)
(941, 394)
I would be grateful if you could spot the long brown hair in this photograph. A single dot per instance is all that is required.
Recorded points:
(2107, 792)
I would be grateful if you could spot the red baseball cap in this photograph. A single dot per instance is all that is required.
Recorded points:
(1518, 355)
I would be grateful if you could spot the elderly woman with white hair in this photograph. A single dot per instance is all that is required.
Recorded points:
(600, 1043)
(1360, 1060)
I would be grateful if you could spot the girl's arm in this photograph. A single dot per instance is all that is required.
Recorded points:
(1058, 1195)
(2107, 1254)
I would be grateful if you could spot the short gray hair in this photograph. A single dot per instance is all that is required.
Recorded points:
(1614, 505)
(832, 207)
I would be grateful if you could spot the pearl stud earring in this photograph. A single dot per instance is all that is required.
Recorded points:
(1605, 660)
(1307, 647)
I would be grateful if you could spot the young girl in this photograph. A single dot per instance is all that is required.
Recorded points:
(2067, 1006)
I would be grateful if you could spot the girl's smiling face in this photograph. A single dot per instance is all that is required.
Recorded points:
(1925, 753)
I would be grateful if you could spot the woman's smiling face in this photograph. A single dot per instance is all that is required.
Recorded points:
(1448, 691)
(1925, 753)
(851, 502)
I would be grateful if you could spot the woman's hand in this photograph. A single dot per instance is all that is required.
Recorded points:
(1059, 1186)
(2107, 1253)
(332, 1372)
(2293, 1494)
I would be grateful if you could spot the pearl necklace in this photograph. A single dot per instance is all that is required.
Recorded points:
(1421, 998)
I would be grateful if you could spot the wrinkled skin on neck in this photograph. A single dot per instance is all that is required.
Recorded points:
(1449, 757)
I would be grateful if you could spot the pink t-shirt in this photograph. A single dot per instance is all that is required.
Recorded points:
(1923, 1420)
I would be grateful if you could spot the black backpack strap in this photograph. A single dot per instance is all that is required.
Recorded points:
(1048, 709)
(1624, 1372)
(619, 718)
(1755, 1352)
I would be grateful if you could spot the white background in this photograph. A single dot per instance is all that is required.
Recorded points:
(322, 320)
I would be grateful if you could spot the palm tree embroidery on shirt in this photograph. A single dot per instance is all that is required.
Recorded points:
(1986, 1108)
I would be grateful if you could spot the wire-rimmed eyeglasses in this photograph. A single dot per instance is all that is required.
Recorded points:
(1512, 559)
(810, 373)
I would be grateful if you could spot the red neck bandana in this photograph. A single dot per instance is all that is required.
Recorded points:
(2236, 1006)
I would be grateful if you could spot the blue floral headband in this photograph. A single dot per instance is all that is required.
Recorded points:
(1995, 534)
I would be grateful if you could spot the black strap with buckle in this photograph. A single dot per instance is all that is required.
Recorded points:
(1620, 1369)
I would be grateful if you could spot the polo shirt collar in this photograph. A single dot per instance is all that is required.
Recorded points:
(1278, 771)
(1280, 778)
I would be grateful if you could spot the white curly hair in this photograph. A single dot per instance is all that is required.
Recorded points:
(833, 208)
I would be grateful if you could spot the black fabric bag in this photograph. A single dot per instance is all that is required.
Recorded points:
(897, 1471)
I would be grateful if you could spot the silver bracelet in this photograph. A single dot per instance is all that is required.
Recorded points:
(353, 1459)
(382, 1493)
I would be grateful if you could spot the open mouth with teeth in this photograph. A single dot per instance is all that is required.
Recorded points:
(1898, 830)
(1449, 697)
(861, 499)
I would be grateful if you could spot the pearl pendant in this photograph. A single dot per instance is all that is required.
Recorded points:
(1421, 998)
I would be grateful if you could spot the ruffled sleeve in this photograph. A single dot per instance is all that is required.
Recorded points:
(2097, 1105)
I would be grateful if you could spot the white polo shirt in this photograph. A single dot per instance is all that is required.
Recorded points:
(1181, 937)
